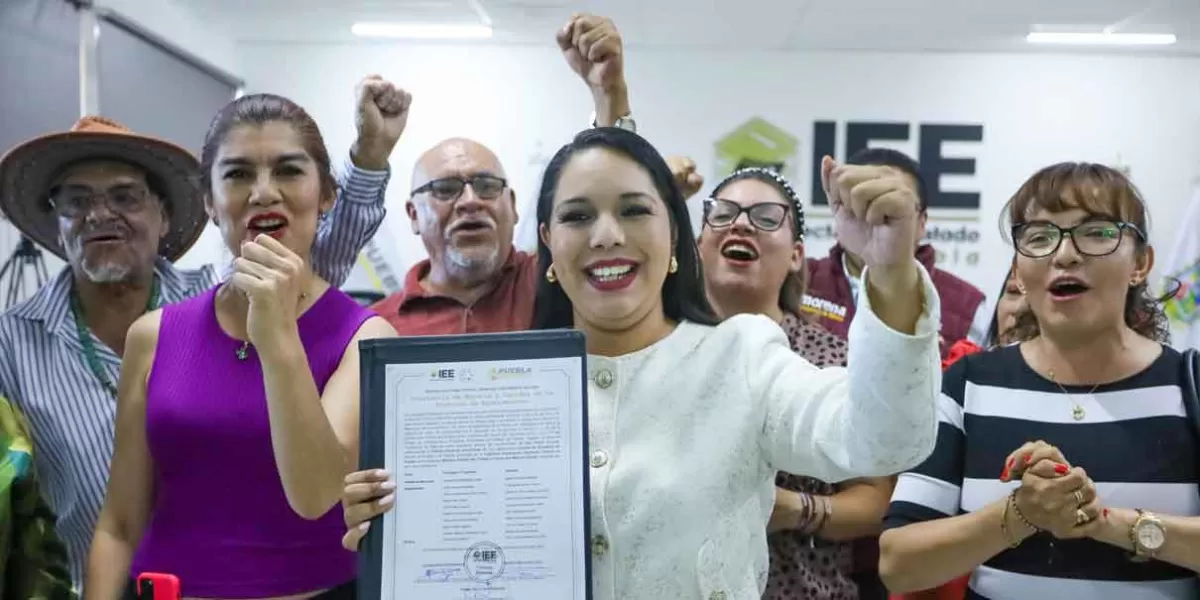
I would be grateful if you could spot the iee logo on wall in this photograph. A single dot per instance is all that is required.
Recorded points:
(954, 214)
(759, 143)
(930, 145)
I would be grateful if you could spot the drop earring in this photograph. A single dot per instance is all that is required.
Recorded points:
(550, 274)
(673, 266)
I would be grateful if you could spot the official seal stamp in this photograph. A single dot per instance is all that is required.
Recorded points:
(484, 562)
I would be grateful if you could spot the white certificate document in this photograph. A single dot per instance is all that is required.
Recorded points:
(489, 460)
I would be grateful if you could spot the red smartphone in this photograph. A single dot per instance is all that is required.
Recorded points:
(158, 586)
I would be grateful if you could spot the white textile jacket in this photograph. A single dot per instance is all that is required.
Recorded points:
(686, 437)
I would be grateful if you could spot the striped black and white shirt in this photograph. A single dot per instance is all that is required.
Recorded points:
(1135, 441)
(72, 416)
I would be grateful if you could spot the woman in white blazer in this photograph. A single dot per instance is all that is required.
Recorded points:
(690, 418)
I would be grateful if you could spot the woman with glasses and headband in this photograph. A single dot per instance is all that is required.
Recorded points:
(1066, 465)
(752, 248)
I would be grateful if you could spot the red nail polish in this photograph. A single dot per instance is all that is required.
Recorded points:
(1061, 469)
(1106, 513)
(1004, 474)
(1028, 457)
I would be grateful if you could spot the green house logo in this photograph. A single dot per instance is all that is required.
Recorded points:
(758, 143)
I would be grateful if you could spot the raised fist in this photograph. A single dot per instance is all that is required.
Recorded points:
(381, 113)
(592, 46)
(875, 211)
(686, 177)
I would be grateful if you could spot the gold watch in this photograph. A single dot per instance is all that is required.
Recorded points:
(1148, 535)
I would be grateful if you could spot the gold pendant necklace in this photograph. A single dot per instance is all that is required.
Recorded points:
(243, 351)
(1077, 412)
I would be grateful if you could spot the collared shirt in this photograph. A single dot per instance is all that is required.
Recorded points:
(507, 307)
(43, 369)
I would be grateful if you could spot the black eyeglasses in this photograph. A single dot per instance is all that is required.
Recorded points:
(73, 201)
(764, 216)
(487, 187)
(1094, 237)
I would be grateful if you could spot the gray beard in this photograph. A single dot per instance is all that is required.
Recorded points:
(471, 267)
(107, 272)
(104, 272)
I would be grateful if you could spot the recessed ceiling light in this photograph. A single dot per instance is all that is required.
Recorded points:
(1100, 39)
(421, 32)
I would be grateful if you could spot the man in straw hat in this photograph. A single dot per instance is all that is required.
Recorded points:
(120, 208)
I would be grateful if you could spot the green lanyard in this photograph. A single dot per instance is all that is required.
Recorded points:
(89, 348)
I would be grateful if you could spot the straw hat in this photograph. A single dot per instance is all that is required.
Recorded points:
(28, 171)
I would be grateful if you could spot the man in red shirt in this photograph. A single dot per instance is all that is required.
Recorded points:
(474, 281)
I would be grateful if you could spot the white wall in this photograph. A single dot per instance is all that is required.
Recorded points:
(175, 21)
(525, 103)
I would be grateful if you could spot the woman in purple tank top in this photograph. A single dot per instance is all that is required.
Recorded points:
(237, 417)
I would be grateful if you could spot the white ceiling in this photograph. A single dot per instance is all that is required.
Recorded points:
(947, 25)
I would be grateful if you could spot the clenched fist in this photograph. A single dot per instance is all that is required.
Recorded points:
(592, 46)
(686, 177)
(876, 212)
(381, 113)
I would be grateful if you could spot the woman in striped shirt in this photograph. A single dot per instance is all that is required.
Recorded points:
(1106, 507)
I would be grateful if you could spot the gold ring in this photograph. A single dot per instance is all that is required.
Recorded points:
(1081, 517)
(1079, 497)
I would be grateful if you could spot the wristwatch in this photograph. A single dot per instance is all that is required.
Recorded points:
(626, 122)
(1148, 535)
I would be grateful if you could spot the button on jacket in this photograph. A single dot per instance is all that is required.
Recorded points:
(686, 437)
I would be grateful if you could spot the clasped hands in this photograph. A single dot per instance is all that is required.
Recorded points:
(1054, 496)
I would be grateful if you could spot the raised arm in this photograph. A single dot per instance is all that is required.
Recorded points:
(130, 494)
(382, 113)
(875, 418)
(593, 49)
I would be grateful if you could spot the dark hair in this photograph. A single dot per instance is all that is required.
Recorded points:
(791, 293)
(887, 157)
(992, 339)
(683, 294)
(1098, 190)
(260, 109)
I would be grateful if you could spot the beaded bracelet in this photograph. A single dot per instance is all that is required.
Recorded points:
(1017, 511)
(1008, 537)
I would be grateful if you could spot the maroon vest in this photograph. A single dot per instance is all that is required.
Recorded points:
(828, 297)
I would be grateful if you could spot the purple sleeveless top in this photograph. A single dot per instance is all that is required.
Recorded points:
(220, 520)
